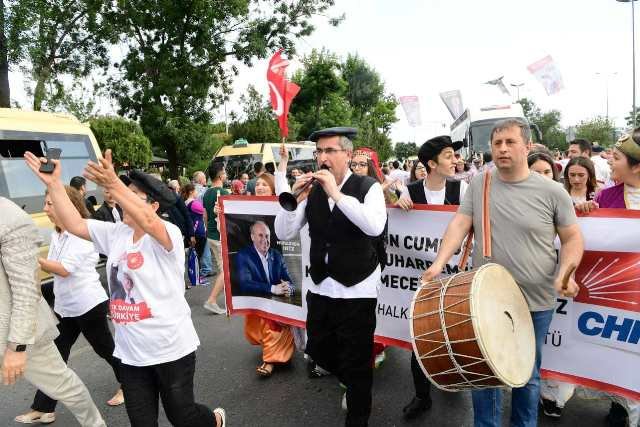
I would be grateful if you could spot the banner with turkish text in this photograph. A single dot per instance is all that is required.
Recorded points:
(593, 340)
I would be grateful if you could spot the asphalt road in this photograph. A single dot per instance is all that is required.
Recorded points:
(225, 376)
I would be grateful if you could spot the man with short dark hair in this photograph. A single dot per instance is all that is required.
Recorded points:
(80, 184)
(346, 215)
(527, 212)
(438, 157)
(258, 169)
(579, 148)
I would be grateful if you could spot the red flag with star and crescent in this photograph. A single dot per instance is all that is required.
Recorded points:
(281, 90)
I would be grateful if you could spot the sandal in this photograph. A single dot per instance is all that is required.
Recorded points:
(223, 417)
(35, 417)
(265, 370)
(117, 399)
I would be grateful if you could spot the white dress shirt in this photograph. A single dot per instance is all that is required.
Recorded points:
(116, 214)
(370, 217)
(81, 290)
(436, 197)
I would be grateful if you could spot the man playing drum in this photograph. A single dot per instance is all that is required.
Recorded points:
(526, 213)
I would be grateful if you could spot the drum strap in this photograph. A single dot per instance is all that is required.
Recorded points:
(486, 220)
(486, 225)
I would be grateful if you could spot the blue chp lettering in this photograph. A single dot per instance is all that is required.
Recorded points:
(592, 323)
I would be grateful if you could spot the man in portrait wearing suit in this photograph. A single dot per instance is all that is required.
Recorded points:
(261, 270)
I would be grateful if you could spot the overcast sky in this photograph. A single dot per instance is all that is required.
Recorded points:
(423, 47)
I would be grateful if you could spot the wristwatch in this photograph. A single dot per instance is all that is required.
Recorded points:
(18, 348)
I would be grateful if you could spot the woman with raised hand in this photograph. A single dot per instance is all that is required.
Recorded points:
(154, 335)
(80, 302)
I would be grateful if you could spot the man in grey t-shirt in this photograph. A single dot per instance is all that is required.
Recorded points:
(526, 213)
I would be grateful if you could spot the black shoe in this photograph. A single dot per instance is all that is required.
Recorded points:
(617, 416)
(550, 408)
(416, 407)
(315, 371)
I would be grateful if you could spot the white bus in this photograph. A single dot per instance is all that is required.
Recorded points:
(474, 127)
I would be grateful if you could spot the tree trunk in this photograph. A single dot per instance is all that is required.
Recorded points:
(39, 95)
(5, 90)
(172, 156)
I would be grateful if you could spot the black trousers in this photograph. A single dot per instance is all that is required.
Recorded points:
(173, 383)
(340, 339)
(420, 381)
(93, 325)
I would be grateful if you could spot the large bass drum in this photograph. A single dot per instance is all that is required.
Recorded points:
(473, 330)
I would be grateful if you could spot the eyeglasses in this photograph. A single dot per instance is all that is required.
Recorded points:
(355, 165)
(327, 151)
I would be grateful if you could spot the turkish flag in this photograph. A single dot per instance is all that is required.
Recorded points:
(281, 90)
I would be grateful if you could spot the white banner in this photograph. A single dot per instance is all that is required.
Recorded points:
(453, 101)
(592, 341)
(548, 74)
(411, 107)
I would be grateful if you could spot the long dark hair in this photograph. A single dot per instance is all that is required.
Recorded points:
(540, 155)
(591, 170)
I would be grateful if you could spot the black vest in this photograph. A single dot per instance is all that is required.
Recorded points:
(352, 255)
(451, 192)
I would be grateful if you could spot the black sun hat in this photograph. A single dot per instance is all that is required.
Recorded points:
(153, 188)
(430, 149)
(336, 131)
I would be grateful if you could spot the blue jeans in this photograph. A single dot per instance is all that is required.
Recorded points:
(487, 404)
(205, 260)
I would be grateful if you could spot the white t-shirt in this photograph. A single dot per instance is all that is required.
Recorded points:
(81, 290)
(150, 314)
(399, 174)
(603, 170)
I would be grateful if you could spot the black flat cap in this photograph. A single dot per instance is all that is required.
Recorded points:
(430, 149)
(337, 131)
(153, 188)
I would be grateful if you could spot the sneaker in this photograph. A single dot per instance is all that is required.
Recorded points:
(214, 308)
(416, 407)
(550, 408)
(343, 404)
(379, 360)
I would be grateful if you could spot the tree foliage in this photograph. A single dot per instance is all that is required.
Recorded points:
(553, 136)
(176, 68)
(403, 150)
(49, 39)
(124, 138)
(348, 93)
(258, 122)
(598, 129)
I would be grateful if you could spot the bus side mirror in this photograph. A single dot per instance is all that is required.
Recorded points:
(465, 142)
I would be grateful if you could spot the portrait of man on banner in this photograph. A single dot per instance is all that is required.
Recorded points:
(259, 265)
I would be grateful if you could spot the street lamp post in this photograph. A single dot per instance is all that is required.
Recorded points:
(633, 55)
(606, 85)
(517, 86)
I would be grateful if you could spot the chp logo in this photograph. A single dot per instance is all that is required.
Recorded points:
(610, 279)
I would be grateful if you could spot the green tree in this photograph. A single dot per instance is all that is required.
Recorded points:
(5, 90)
(49, 39)
(629, 118)
(175, 70)
(548, 122)
(321, 101)
(598, 129)
(364, 87)
(403, 150)
(129, 145)
(258, 123)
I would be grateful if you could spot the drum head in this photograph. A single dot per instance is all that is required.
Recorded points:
(503, 325)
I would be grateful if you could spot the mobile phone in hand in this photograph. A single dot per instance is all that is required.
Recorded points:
(52, 154)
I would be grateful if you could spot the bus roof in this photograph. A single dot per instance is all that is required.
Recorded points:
(38, 121)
